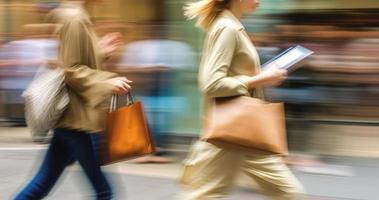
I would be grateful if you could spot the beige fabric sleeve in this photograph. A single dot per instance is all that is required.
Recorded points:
(80, 62)
(214, 81)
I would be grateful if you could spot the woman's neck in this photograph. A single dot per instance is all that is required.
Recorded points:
(235, 8)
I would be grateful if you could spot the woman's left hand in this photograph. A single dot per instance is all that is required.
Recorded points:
(111, 43)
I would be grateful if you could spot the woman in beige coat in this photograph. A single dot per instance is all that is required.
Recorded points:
(230, 67)
(88, 87)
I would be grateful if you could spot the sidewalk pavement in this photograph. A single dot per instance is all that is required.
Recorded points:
(19, 158)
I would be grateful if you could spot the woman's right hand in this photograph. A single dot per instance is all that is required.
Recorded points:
(273, 76)
(120, 85)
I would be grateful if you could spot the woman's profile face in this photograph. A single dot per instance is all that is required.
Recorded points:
(249, 5)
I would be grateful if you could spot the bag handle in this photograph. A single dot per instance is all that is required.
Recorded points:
(114, 101)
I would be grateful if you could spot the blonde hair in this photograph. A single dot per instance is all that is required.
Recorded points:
(205, 11)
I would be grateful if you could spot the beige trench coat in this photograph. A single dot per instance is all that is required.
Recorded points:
(81, 60)
(209, 172)
(229, 58)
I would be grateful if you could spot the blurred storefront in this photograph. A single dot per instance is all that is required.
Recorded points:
(332, 105)
(331, 101)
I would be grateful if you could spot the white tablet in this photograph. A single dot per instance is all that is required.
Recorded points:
(290, 58)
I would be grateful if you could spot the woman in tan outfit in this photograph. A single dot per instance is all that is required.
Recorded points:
(80, 55)
(230, 66)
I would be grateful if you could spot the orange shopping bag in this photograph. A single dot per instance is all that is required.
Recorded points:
(127, 135)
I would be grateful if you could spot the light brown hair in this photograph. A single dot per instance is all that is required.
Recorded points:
(205, 11)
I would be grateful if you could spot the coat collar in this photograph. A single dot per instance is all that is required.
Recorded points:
(227, 14)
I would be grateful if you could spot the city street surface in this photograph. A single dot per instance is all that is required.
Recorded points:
(346, 178)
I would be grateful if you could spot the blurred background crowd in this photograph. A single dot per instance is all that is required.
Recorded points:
(332, 102)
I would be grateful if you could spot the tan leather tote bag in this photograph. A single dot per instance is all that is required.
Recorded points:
(248, 124)
(128, 134)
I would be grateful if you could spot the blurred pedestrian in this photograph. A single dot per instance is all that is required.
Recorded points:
(230, 67)
(79, 55)
(159, 61)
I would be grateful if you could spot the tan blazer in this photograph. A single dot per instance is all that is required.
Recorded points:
(80, 58)
(228, 59)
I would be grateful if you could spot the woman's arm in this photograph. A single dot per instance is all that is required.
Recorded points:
(76, 54)
(214, 80)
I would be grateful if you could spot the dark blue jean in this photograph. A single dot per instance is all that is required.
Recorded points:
(66, 147)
